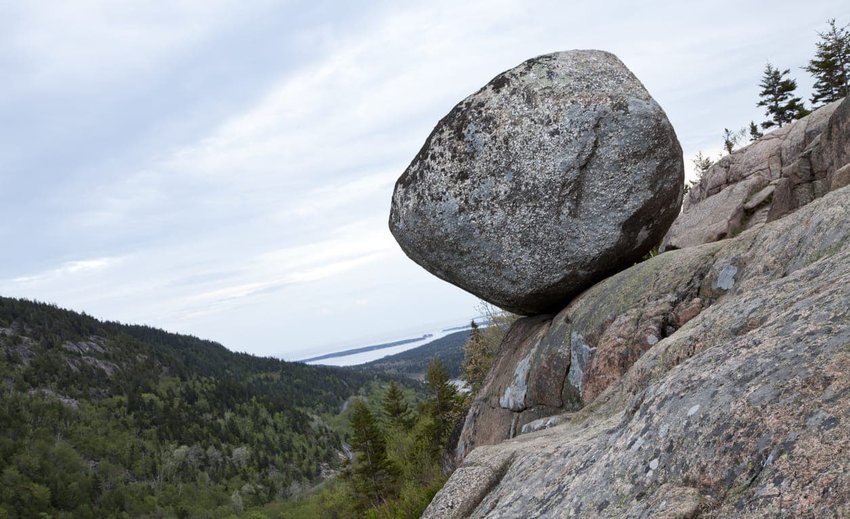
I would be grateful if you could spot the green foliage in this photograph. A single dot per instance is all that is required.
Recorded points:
(831, 65)
(395, 406)
(478, 357)
(443, 404)
(399, 484)
(414, 363)
(480, 349)
(108, 420)
(754, 131)
(333, 500)
(777, 96)
(702, 163)
(374, 477)
(732, 138)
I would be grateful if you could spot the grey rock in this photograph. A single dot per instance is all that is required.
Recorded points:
(580, 355)
(514, 396)
(836, 138)
(759, 198)
(500, 407)
(739, 412)
(726, 279)
(768, 179)
(459, 497)
(718, 217)
(604, 331)
(554, 175)
(841, 177)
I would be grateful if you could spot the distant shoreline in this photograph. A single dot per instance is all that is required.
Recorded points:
(364, 349)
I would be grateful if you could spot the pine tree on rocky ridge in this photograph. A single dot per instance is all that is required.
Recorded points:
(777, 96)
(732, 138)
(755, 133)
(477, 358)
(831, 65)
(374, 476)
(443, 403)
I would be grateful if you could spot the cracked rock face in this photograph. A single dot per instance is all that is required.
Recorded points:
(554, 175)
(764, 181)
(717, 387)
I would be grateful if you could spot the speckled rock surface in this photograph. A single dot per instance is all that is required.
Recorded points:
(784, 170)
(735, 402)
(554, 175)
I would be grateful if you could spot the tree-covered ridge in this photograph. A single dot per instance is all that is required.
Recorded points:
(104, 419)
(413, 363)
(402, 453)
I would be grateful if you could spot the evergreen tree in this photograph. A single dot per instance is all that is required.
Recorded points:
(731, 139)
(777, 96)
(477, 358)
(183, 427)
(701, 164)
(831, 65)
(479, 352)
(395, 406)
(443, 403)
(374, 476)
(755, 133)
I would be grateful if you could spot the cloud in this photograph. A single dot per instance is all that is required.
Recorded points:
(65, 270)
(94, 42)
(333, 196)
(226, 167)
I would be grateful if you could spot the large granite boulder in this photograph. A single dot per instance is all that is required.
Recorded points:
(711, 382)
(784, 170)
(551, 364)
(554, 175)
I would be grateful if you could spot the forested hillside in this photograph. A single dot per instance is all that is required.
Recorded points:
(102, 419)
(414, 363)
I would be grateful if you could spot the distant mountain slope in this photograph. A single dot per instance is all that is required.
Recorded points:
(363, 349)
(413, 363)
(100, 418)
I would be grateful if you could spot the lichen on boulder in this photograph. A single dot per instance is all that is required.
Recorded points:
(717, 388)
(556, 174)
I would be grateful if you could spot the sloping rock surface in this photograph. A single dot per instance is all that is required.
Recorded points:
(784, 170)
(554, 175)
(716, 386)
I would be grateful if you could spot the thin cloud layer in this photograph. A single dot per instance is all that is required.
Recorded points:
(225, 169)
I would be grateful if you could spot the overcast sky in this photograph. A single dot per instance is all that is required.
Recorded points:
(224, 168)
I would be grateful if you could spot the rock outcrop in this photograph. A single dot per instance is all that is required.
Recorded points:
(710, 381)
(554, 175)
(784, 170)
(551, 364)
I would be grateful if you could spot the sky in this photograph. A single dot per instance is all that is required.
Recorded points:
(224, 168)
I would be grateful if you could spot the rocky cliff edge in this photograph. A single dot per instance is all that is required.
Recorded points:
(709, 381)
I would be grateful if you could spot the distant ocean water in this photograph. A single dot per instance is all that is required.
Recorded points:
(369, 356)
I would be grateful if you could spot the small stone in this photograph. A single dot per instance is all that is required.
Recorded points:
(759, 198)
(840, 178)
(687, 311)
(726, 278)
(637, 445)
